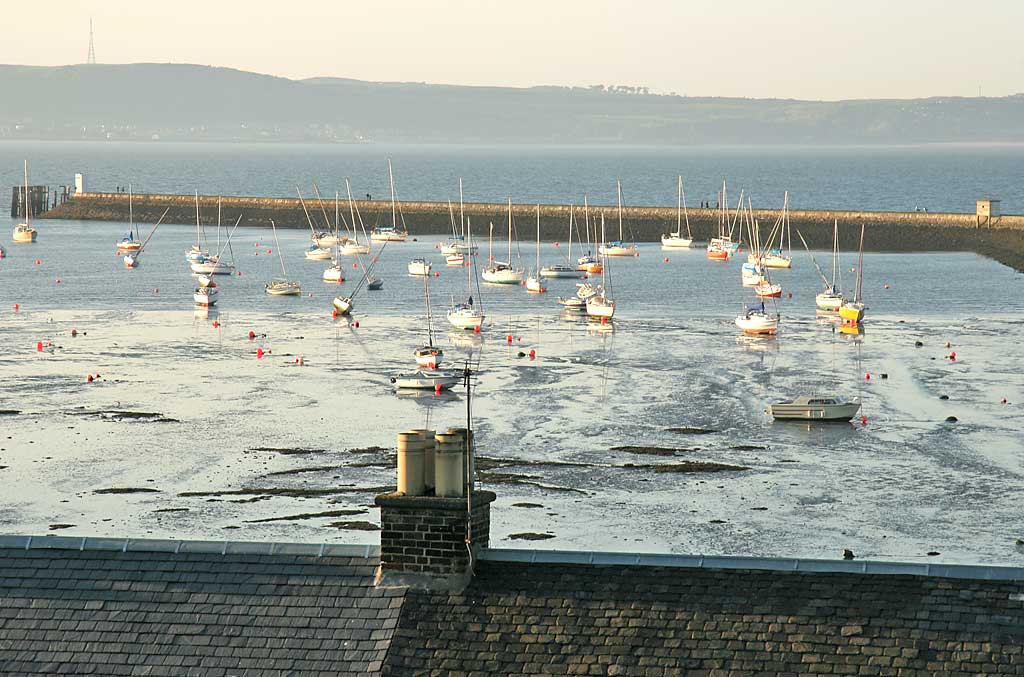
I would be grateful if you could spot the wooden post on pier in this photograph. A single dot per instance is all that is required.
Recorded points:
(38, 198)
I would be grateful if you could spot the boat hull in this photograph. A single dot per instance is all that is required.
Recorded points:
(828, 302)
(561, 272)
(342, 305)
(427, 379)
(852, 312)
(334, 274)
(617, 250)
(429, 357)
(676, 242)
(758, 325)
(502, 276)
(718, 255)
(354, 249)
(211, 268)
(535, 286)
(319, 254)
(465, 319)
(129, 245)
(419, 268)
(23, 234)
(788, 411)
(598, 306)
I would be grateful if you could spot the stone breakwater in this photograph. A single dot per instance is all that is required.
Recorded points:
(884, 231)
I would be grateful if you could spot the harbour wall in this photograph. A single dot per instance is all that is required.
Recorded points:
(1001, 239)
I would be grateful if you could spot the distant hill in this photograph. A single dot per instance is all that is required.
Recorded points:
(188, 102)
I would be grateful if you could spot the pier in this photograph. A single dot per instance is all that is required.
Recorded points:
(999, 238)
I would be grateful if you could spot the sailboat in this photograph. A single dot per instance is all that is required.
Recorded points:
(131, 258)
(618, 247)
(334, 272)
(282, 286)
(588, 262)
(601, 304)
(502, 272)
(344, 304)
(466, 315)
(428, 356)
(722, 247)
(130, 241)
(676, 240)
(24, 232)
(390, 233)
(831, 298)
(534, 284)
(459, 243)
(566, 270)
(315, 252)
(852, 312)
(196, 253)
(773, 257)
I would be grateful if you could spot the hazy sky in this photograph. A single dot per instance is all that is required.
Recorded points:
(811, 49)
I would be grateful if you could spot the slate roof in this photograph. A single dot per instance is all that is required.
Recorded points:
(112, 607)
(619, 619)
(166, 608)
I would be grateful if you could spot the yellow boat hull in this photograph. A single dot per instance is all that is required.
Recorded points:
(851, 312)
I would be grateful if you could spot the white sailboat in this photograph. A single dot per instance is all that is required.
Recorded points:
(390, 233)
(601, 304)
(130, 242)
(677, 240)
(831, 298)
(534, 283)
(196, 253)
(428, 356)
(502, 272)
(588, 262)
(618, 247)
(466, 315)
(775, 257)
(131, 258)
(427, 379)
(334, 272)
(205, 296)
(755, 320)
(24, 233)
(419, 266)
(564, 270)
(282, 286)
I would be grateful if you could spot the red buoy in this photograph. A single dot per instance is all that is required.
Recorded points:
(270, 251)
(74, 333)
(666, 259)
(16, 307)
(88, 379)
(334, 313)
(437, 274)
(867, 377)
(863, 420)
(533, 353)
(252, 335)
(39, 346)
(38, 262)
(216, 324)
(355, 265)
(508, 339)
(259, 353)
(356, 324)
(58, 280)
(476, 329)
(437, 388)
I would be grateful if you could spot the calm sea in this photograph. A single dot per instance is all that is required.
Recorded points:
(897, 178)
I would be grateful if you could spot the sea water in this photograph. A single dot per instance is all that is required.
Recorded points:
(185, 433)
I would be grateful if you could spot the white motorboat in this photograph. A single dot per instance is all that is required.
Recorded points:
(280, 286)
(617, 249)
(574, 303)
(456, 259)
(211, 265)
(24, 233)
(334, 273)
(315, 253)
(755, 320)
(419, 267)
(676, 241)
(205, 296)
(427, 379)
(585, 290)
(815, 408)
(560, 270)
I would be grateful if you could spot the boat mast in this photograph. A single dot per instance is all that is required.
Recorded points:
(618, 186)
(28, 202)
(510, 231)
(199, 243)
(218, 223)
(462, 215)
(277, 243)
(860, 266)
(391, 179)
(679, 207)
(538, 240)
(430, 325)
(572, 219)
(586, 218)
(131, 214)
(682, 198)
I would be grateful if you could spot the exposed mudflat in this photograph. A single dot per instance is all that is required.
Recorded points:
(646, 435)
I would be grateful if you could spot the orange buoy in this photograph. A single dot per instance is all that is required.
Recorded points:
(437, 388)
(508, 339)
(886, 286)
(1003, 401)
(947, 344)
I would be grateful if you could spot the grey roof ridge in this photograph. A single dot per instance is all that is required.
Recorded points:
(779, 564)
(156, 545)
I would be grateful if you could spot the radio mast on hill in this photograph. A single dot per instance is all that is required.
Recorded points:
(92, 47)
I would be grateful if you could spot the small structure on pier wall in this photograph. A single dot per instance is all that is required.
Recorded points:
(79, 184)
(987, 212)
